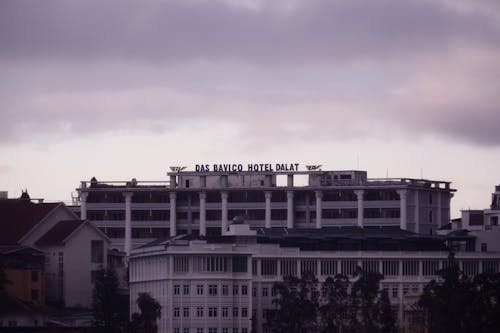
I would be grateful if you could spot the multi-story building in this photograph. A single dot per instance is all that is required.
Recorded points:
(267, 196)
(223, 284)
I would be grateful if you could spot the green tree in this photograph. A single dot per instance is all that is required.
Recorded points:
(106, 302)
(487, 304)
(365, 304)
(334, 311)
(451, 301)
(387, 317)
(297, 304)
(145, 322)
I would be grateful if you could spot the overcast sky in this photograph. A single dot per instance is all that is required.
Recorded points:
(122, 89)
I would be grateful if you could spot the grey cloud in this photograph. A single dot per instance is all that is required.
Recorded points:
(182, 31)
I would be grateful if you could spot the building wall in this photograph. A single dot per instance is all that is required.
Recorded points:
(77, 268)
(26, 284)
(159, 270)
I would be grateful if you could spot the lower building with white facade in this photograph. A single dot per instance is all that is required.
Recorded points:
(223, 284)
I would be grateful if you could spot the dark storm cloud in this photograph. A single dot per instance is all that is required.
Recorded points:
(272, 32)
(329, 69)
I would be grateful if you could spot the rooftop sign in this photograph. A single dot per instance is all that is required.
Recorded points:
(250, 167)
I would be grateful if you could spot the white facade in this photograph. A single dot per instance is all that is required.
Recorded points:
(134, 213)
(203, 285)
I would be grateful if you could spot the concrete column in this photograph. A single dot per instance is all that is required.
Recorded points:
(173, 214)
(439, 217)
(83, 205)
(289, 210)
(361, 207)
(224, 224)
(128, 222)
(268, 195)
(203, 214)
(319, 208)
(402, 209)
(289, 180)
(173, 181)
(417, 212)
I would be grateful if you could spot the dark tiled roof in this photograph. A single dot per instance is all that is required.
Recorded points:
(17, 217)
(58, 233)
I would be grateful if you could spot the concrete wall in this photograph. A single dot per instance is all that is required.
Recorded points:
(77, 267)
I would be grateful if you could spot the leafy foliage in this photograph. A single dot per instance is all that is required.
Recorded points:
(345, 306)
(298, 305)
(106, 302)
(458, 303)
(150, 309)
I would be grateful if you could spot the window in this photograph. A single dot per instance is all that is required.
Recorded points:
(177, 330)
(225, 311)
(244, 312)
(430, 267)
(199, 289)
(484, 247)
(494, 220)
(34, 294)
(212, 330)
(348, 267)
(244, 330)
(328, 267)
(225, 330)
(185, 289)
(199, 330)
(410, 267)
(264, 291)
(185, 330)
(185, 312)
(395, 291)
(177, 289)
(181, 264)
(212, 289)
(269, 266)
(212, 312)
(254, 292)
(244, 290)
(93, 276)
(390, 268)
(177, 312)
(235, 312)
(225, 289)
(235, 289)
(235, 330)
(34, 276)
(199, 311)
(97, 251)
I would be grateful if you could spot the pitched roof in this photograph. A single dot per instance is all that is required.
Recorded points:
(18, 217)
(58, 233)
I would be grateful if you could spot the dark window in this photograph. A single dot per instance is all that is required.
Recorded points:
(97, 251)
(494, 220)
(34, 276)
(484, 247)
(34, 294)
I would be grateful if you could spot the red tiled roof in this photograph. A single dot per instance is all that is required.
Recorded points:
(17, 217)
(58, 233)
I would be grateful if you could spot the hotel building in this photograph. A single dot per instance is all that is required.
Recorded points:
(205, 201)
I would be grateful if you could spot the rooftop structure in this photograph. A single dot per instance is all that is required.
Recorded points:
(267, 196)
